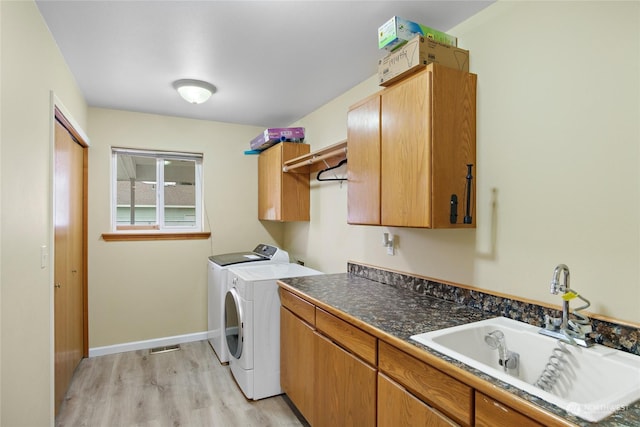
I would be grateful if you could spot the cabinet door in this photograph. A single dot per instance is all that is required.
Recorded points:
(397, 407)
(282, 196)
(363, 144)
(345, 388)
(453, 133)
(490, 412)
(295, 185)
(270, 184)
(406, 153)
(297, 362)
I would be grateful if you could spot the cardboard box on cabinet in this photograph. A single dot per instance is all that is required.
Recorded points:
(417, 53)
(398, 31)
(272, 136)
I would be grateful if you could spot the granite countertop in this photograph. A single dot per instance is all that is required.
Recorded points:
(401, 312)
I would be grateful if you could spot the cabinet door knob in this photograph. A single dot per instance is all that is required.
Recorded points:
(57, 285)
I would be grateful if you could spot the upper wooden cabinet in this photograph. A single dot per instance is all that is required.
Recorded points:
(282, 196)
(409, 150)
(363, 145)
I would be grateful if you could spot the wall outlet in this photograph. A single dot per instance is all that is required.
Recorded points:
(391, 250)
(388, 242)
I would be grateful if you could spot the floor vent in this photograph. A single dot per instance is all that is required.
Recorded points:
(165, 349)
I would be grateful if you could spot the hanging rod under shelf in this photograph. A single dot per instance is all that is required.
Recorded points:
(338, 151)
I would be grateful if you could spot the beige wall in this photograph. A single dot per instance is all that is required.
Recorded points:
(32, 67)
(146, 290)
(558, 162)
(558, 139)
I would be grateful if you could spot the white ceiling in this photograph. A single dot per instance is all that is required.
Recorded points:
(272, 62)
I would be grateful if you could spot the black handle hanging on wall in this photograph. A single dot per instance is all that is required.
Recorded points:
(467, 216)
(453, 214)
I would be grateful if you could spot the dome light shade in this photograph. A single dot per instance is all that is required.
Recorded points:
(194, 91)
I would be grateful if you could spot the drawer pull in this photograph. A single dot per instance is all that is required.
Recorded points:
(502, 408)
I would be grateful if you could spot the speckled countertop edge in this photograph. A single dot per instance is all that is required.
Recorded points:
(402, 312)
(613, 335)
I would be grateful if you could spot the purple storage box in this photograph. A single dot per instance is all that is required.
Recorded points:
(274, 135)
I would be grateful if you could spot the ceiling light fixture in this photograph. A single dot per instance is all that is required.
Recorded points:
(194, 91)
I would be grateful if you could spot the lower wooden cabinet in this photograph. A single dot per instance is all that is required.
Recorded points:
(345, 387)
(398, 407)
(338, 375)
(490, 413)
(444, 392)
(297, 362)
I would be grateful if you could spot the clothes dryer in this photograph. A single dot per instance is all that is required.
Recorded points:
(252, 326)
(216, 287)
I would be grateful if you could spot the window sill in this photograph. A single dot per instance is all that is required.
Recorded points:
(133, 237)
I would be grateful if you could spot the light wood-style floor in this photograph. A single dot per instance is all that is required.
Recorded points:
(187, 387)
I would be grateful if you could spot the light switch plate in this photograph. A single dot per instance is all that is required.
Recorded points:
(44, 256)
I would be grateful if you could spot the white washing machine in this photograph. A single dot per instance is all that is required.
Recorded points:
(252, 326)
(217, 279)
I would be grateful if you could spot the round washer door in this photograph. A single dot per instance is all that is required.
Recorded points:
(233, 324)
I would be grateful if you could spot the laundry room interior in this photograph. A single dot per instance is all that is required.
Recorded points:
(547, 117)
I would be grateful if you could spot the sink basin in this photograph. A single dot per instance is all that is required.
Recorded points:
(594, 383)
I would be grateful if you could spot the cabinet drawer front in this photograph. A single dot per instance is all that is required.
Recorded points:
(397, 407)
(434, 387)
(301, 308)
(349, 337)
(490, 412)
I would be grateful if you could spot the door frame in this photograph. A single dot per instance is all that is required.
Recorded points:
(60, 113)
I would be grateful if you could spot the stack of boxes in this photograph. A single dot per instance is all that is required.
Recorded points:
(272, 136)
(412, 46)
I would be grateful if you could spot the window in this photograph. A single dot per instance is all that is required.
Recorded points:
(156, 191)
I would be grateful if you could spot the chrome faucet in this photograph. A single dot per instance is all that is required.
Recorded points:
(509, 360)
(557, 287)
(565, 329)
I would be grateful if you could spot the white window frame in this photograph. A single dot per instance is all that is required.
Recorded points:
(160, 157)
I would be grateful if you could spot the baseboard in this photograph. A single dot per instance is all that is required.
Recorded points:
(143, 345)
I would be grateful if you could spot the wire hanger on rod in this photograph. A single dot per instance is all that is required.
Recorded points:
(330, 168)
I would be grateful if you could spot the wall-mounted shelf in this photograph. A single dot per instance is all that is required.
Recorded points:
(317, 160)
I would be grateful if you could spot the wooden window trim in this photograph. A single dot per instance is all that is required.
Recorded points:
(134, 237)
(137, 227)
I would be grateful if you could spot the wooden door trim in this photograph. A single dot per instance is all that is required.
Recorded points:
(70, 125)
(64, 118)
